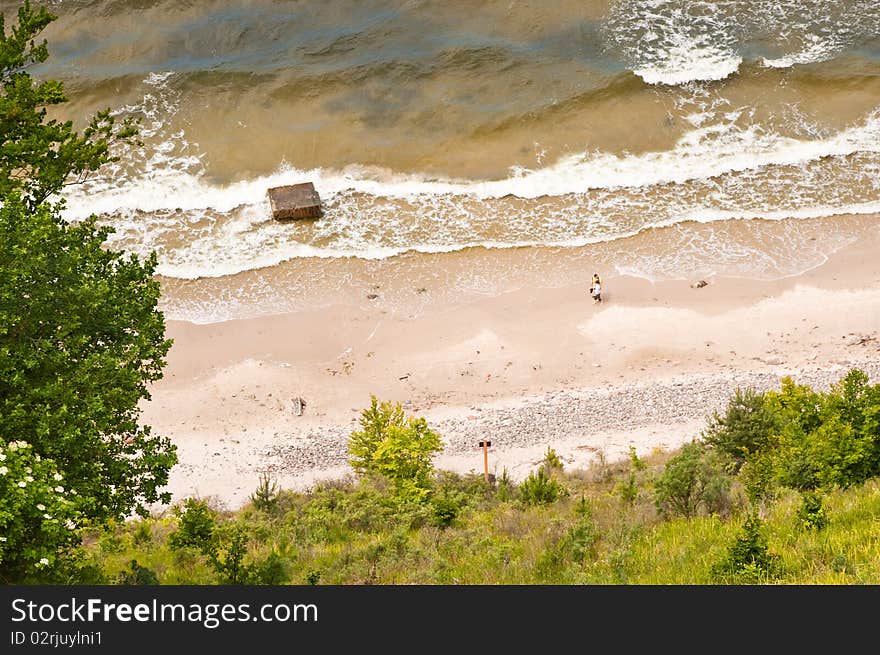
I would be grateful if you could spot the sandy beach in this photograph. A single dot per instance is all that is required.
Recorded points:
(530, 369)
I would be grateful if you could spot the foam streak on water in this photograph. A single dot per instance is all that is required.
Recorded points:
(640, 115)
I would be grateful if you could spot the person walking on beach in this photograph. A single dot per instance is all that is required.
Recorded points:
(596, 288)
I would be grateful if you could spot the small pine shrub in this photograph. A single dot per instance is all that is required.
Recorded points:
(744, 428)
(505, 489)
(581, 540)
(552, 462)
(265, 497)
(748, 557)
(143, 536)
(628, 490)
(540, 489)
(196, 527)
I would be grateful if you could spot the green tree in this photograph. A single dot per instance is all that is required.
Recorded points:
(80, 340)
(745, 427)
(830, 439)
(694, 478)
(395, 446)
(81, 336)
(39, 156)
(541, 489)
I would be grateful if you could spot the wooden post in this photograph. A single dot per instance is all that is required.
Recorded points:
(485, 446)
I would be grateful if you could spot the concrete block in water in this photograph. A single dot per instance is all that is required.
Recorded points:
(295, 201)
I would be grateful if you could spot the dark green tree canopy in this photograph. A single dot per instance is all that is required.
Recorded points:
(81, 335)
(38, 156)
(80, 340)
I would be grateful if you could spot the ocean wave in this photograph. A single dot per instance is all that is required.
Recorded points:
(676, 42)
(211, 265)
(175, 181)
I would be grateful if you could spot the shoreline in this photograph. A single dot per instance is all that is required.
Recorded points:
(529, 369)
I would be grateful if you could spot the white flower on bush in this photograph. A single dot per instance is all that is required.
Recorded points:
(41, 507)
(22, 484)
(59, 489)
(3, 470)
(57, 477)
(43, 562)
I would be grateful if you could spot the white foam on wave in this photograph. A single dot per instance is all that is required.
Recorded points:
(722, 168)
(673, 42)
(676, 42)
(690, 63)
(815, 50)
(707, 151)
(207, 264)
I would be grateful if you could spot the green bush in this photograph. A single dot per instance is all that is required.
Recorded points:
(397, 447)
(581, 539)
(552, 462)
(748, 557)
(446, 507)
(196, 527)
(811, 512)
(505, 488)
(694, 478)
(827, 440)
(137, 575)
(265, 497)
(745, 427)
(540, 489)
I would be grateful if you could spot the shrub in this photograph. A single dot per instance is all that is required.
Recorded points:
(397, 447)
(265, 497)
(540, 489)
(745, 427)
(552, 462)
(581, 539)
(811, 512)
(227, 557)
(196, 527)
(829, 439)
(505, 488)
(143, 536)
(748, 557)
(445, 508)
(692, 479)
(137, 575)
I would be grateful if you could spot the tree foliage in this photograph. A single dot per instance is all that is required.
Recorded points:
(38, 155)
(829, 439)
(745, 427)
(81, 336)
(80, 340)
(395, 446)
(693, 479)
